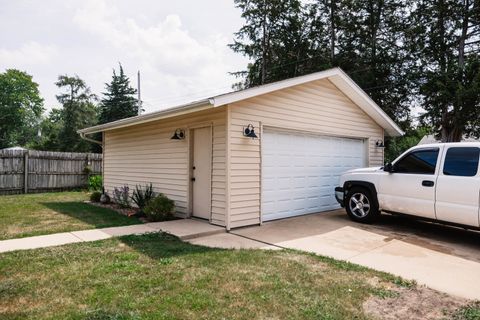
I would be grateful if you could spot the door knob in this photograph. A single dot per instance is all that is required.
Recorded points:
(193, 179)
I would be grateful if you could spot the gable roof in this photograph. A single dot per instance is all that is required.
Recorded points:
(336, 75)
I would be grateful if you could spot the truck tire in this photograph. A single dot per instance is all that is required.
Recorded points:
(361, 205)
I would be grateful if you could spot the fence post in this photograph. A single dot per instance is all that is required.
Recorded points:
(89, 167)
(25, 172)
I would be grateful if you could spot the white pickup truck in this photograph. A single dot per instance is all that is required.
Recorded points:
(438, 182)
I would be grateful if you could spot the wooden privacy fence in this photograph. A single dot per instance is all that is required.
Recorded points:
(30, 171)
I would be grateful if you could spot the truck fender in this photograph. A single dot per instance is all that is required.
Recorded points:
(355, 183)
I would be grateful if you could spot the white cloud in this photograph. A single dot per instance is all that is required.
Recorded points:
(174, 64)
(179, 46)
(30, 53)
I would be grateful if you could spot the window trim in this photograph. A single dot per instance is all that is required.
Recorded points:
(416, 150)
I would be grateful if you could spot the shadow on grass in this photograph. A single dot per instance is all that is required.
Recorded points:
(95, 216)
(163, 246)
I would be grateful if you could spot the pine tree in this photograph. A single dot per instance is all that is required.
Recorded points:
(284, 39)
(371, 48)
(271, 37)
(119, 101)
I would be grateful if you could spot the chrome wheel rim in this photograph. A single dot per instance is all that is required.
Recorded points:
(359, 205)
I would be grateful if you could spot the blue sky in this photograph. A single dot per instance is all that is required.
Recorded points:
(179, 46)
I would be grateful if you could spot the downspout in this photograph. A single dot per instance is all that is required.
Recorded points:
(100, 143)
(82, 135)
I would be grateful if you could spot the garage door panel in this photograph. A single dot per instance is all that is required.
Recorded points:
(299, 171)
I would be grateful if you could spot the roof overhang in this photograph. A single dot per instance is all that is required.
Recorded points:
(148, 117)
(339, 78)
(336, 75)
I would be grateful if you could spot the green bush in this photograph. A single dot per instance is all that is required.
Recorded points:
(95, 183)
(95, 196)
(160, 208)
(142, 197)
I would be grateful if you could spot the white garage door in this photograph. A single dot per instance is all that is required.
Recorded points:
(300, 171)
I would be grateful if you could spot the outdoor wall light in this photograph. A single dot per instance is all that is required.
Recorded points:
(249, 131)
(379, 144)
(178, 135)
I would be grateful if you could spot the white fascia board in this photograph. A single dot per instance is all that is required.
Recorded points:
(148, 117)
(227, 98)
(337, 77)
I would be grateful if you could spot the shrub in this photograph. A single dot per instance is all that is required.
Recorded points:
(142, 197)
(121, 196)
(105, 198)
(95, 183)
(95, 196)
(160, 208)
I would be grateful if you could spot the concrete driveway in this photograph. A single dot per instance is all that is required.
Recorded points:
(449, 240)
(443, 258)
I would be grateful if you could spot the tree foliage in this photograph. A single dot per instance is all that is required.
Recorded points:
(403, 53)
(20, 108)
(285, 38)
(445, 41)
(78, 112)
(50, 129)
(398, 145)
(119, 101)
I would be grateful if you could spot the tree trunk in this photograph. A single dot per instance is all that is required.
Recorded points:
(447, 128)
(332, 31)
(463, 36)
(264, 45)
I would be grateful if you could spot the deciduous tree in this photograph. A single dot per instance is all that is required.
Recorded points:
(77, 113)
(445, 40)
(20, 108)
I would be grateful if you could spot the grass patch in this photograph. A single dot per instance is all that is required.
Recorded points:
(46, 213)
(469, 312)
(157, 276)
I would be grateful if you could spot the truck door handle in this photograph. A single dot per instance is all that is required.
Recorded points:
(427, 183)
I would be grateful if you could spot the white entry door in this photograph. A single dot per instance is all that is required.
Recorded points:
(300, 171)
(201, 172)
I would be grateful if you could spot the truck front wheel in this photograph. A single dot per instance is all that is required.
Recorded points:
(361, 206)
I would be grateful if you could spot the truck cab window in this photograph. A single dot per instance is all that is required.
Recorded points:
(418, 162)
(461, 161)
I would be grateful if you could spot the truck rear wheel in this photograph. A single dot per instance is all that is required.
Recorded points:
(361, 206)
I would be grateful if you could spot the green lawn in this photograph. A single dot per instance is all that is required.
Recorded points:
(46, 213)
(157, 276)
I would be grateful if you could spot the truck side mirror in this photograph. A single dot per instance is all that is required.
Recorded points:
(388, 167)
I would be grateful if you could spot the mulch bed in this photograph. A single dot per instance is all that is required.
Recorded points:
(129, 212)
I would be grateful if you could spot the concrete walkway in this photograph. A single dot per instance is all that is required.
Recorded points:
(185, 229)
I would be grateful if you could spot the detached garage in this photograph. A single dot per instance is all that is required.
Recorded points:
(260, 154)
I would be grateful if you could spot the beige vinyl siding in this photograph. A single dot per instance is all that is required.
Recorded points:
(145, 153)
(219, 172)
(317, 107)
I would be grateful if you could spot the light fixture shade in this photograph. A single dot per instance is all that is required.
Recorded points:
(178, 135)
(249, 131)
(379, 144)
